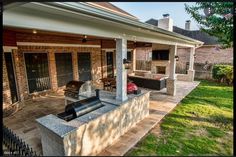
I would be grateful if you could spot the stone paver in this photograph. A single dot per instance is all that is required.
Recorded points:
(24, 125)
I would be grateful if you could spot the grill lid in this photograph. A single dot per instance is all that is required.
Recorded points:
(74, 86)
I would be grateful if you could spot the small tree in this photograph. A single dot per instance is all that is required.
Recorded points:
(217, 21)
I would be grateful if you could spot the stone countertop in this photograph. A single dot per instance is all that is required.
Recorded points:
(62, 127)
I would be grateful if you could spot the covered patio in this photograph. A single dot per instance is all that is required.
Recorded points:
(44, 55)
(23, 121)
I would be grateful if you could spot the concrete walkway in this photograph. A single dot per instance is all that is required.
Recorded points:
(24, 125)
(160, 105)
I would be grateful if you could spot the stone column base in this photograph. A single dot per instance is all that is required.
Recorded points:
(171, 86)
(191, 74)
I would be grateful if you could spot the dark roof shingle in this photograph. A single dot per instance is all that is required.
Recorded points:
(195, 34)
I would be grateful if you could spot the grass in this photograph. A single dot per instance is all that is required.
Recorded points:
(202, 124)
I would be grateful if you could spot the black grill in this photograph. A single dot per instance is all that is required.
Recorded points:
(81, 107)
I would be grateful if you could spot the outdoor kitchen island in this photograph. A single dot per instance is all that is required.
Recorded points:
(90, 133)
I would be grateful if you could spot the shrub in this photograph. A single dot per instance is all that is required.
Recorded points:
(223, 73)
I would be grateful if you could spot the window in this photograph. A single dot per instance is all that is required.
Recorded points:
(160, 55)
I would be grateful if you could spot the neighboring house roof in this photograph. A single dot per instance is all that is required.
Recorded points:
(152, 22)
(111, 7)
(195, 34)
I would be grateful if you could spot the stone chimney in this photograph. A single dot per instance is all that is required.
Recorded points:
(166, 23)
(187, 25)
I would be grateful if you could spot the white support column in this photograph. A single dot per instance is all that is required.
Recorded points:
(171, 81)
(191, 58)
(191, 71)
(121, 72)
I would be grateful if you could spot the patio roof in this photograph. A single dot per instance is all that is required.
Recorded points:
(129, 23)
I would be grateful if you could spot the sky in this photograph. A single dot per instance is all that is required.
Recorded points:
(146, 10)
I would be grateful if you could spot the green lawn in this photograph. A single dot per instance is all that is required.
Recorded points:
(202, 124)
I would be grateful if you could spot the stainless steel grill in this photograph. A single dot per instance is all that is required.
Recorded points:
(81, 107)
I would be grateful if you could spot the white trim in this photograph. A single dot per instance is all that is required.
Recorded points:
(108, 49)
(9, 48)
(54, 44)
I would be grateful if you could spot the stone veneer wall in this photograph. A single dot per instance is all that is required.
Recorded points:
(92, 137)
(21, 69)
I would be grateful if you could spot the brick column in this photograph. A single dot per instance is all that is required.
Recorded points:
(6, 87)
(52, 70)
(171, 81)
(21, 76)
(191, 71)
(121, 77)
(75, 65)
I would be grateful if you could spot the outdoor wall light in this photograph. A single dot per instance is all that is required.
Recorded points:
(194, 55)
(126, 63)
(177, 58)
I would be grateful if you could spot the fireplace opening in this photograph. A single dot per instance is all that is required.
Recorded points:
(160, 69)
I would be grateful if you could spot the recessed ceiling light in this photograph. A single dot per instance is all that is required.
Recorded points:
(34, 31)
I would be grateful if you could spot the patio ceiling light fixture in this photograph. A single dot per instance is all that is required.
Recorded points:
(84, 40)
(177, 58)
(126, 63)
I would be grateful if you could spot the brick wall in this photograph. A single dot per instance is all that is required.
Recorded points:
(210, 54)
(95, 63)
(184, 57)
(203, 54)
(11, 37)
(142, 53)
